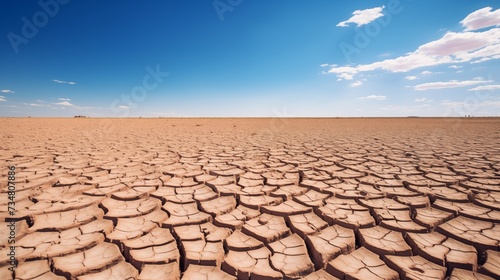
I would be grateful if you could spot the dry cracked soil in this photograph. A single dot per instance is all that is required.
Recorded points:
(407, 198)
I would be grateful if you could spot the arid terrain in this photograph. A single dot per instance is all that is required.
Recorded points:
(365, 198)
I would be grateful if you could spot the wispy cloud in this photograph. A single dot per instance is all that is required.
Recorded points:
(487, 87)
(411, 78)
(2, 98)
(373, 97)
(455, 66)
(456, 104)
(6, 91)
(64, 82)
(452, 48)
(449, 84)
(39, 103)
(63, 103)
(481, 18)
(496, 56)
(362, 17)
(344, 76)
(356, 84)
(423, 99)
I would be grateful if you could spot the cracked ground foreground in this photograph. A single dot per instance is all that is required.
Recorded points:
(408, 198)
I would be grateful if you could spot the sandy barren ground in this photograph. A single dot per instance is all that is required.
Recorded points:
(211, 199)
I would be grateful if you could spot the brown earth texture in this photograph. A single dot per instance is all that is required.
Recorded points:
(367, 198)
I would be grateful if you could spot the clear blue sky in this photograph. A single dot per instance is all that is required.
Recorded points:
(249, 58)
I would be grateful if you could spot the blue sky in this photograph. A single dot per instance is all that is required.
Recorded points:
(241, 58)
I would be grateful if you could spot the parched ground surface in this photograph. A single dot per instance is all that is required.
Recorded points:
(210, 199)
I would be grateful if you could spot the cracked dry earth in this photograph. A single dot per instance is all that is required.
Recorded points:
(252, 198)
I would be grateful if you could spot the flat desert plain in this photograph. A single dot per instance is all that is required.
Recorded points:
(365, 198)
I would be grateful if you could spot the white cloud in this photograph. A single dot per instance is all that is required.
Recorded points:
(452, 104)
(461, 43)
(373, 97)
(481, 18)
(324, 65)
(463, 104)
(411, 78)
(490, 103)
(425, 72)
(123, 107)
(40, 103)
(449, 84)
(362, 17)
(342, 69)
(496, 56)
(64, 82)
(6, 91)
(423, 99)
(64, 99)
(400, 64)
(455, 66)
(356, 84)
(487, 87)
(64, 103)
(2, 98)
(344, 76)
(452, 48)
